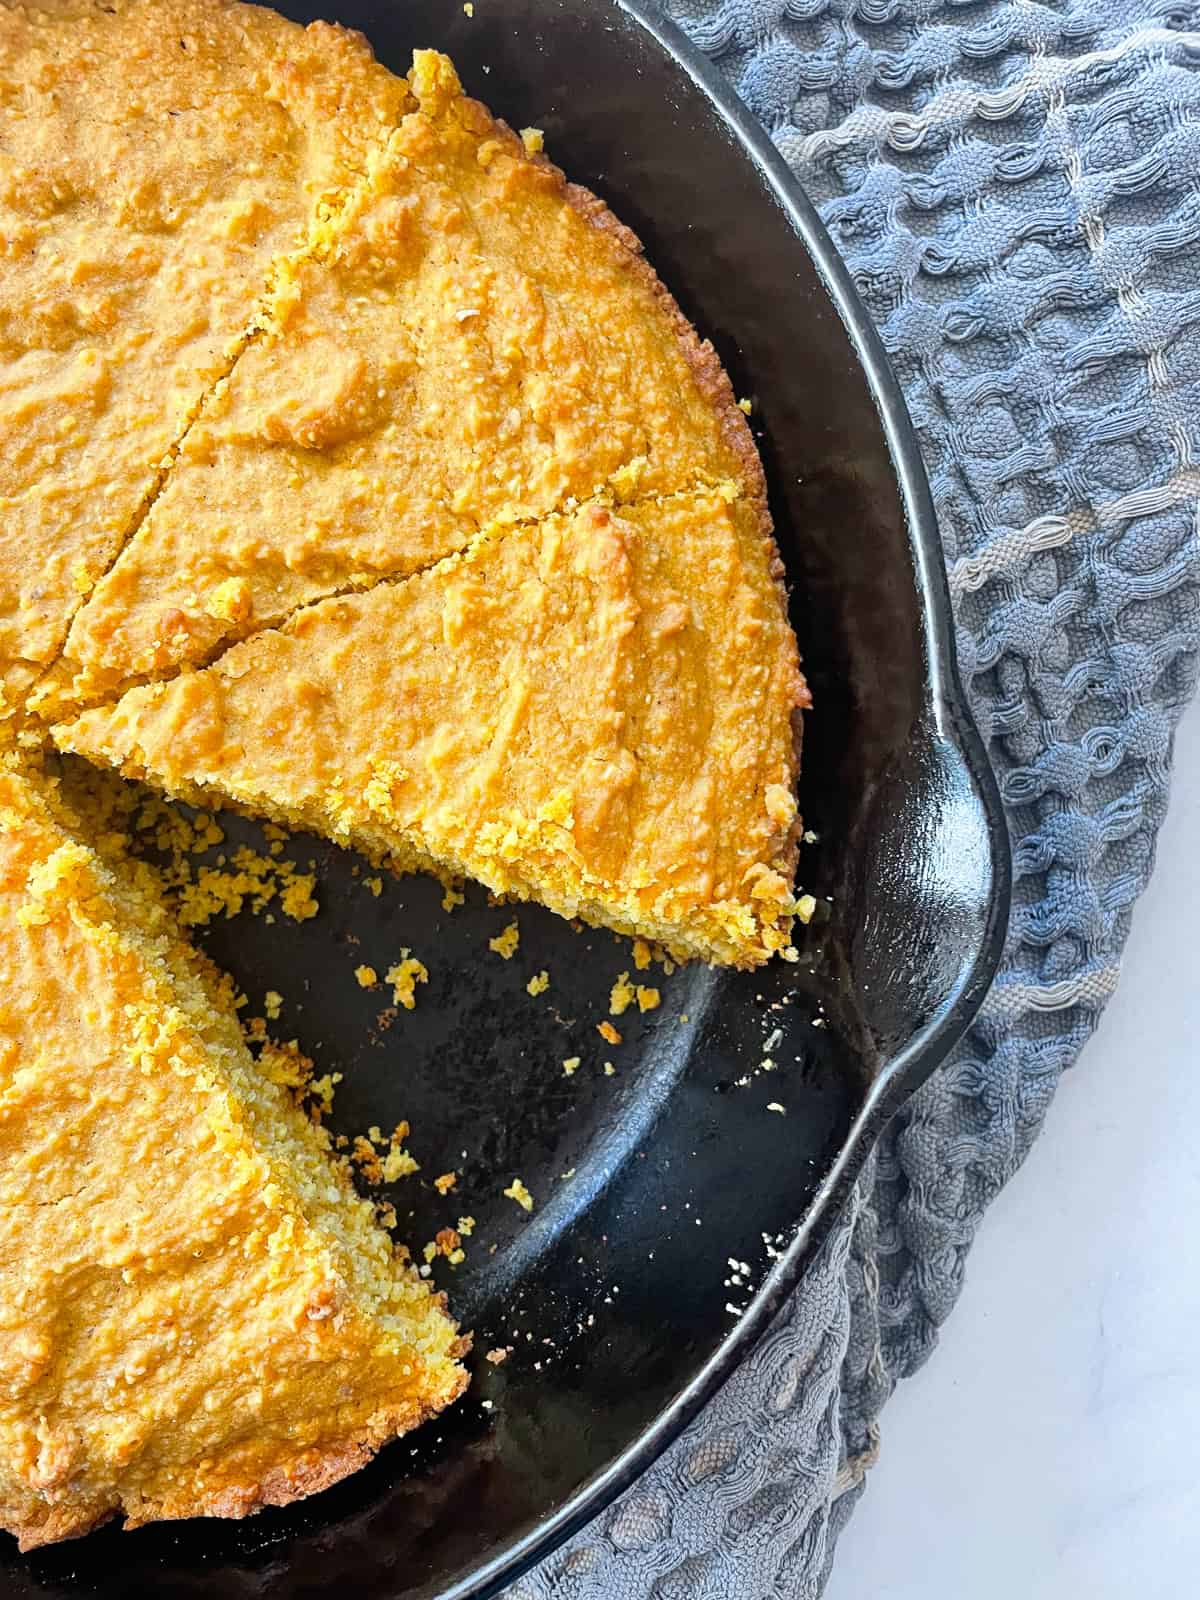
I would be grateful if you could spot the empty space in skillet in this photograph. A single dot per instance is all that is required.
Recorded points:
(615, 1293)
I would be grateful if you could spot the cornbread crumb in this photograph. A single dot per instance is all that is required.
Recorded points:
(446, 1182)
(466, 1226)
(499, 1355)
(622, 995)
(375, 885)
(404, 977)
(297, 900)
(505, 943)
(253, 880)
(286, 1064)
(538, 984)
(230, 601)
(805, 907)
(609, 1069)
(606, 1031)
(272, 1001)
(518, 1192)
(398, 1163)
(320, 1092)
(746, 405)
(468, 8)
(570, 1065)
(648, 999)
(366, 1158)
(453, 897)
(367, 977)
(641, 954)
(534, 141)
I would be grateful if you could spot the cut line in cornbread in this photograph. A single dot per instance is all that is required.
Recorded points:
(597, 712)
(481, 344)
(157, 157)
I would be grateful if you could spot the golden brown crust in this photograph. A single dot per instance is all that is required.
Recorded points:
(278, 1486)
(284, 1484)
(710, 376)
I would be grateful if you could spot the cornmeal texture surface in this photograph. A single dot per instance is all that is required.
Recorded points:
(156, 158)
(593, 712)
(477, 343)
(197, 1313)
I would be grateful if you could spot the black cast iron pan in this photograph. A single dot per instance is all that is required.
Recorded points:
(613, 1293)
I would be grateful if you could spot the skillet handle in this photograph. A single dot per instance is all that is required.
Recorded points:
(936, 888)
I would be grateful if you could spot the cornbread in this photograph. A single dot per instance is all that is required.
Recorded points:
(594, 711)
(357, 471)
(482, 344)
(156, 158)
(198, 1314)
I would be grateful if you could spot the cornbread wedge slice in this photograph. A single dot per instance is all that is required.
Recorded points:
(156, 157)
(597, 712)
(197, 1314)
(483, 344)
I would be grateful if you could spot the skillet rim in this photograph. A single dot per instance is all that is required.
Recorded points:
(951, 721)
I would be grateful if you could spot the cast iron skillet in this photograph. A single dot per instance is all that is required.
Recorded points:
(613, 1293)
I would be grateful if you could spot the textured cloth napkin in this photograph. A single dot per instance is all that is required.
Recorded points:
(1016, 189)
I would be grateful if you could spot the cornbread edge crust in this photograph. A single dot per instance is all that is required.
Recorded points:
(429, 721)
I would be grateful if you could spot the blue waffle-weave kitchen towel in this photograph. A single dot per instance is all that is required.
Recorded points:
(1016, 188)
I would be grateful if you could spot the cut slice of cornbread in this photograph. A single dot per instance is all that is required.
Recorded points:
(156, 156)
(197, 1314)
(483, 344)
(597, 712)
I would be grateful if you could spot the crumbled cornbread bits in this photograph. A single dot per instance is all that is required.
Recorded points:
(505, 943)
(621, 996)
(404, 977)
(518, 1192)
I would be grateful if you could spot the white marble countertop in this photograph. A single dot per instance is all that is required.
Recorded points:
(1050, 1448)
